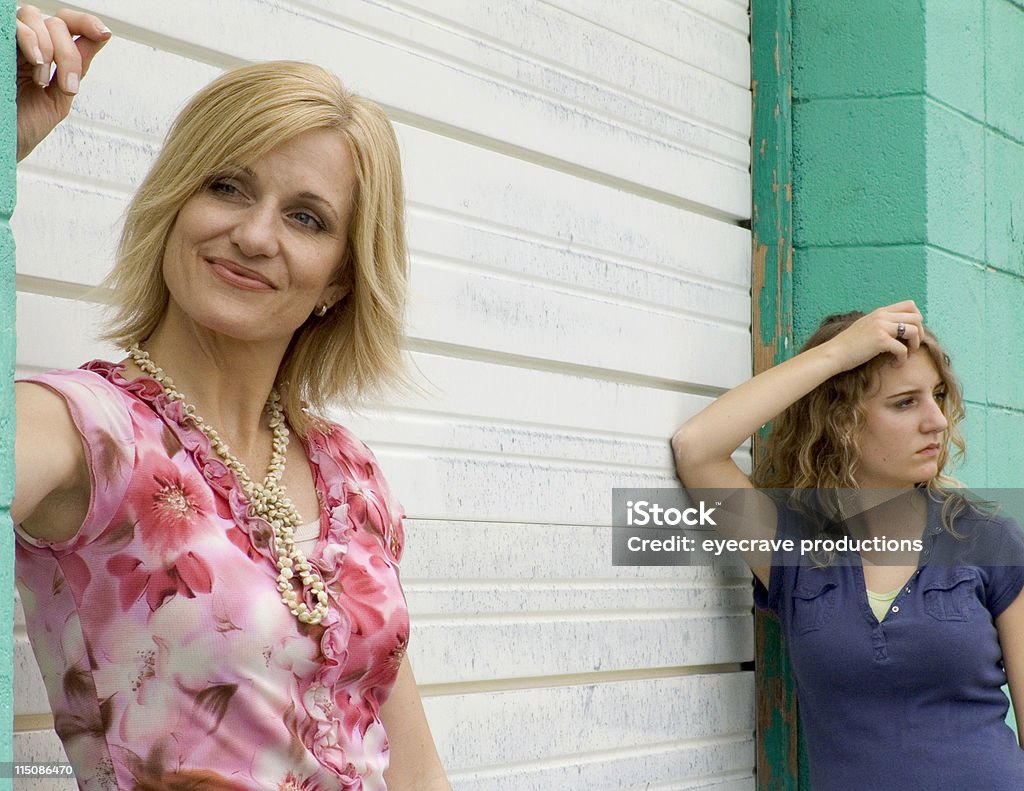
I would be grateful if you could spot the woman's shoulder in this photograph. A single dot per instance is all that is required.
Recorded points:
(75, 439)
(350, 469)
(339, 453)
(339, 440)
(988, 532)
(974, 512)
(87, 394)
(95, 376)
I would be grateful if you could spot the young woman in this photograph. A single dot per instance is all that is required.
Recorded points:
(899, 663)
(214, 605)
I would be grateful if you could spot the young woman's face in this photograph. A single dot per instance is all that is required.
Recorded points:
(904, 427)
(255, 252)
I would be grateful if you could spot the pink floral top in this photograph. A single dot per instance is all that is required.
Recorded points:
(168, 656)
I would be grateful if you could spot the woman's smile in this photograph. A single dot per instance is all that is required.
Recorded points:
(273, 230)
(239, 276)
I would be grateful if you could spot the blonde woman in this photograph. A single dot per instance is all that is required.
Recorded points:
(209, 568)
(899, 660)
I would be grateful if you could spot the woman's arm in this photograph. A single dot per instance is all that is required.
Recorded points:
(1010, 628)
(415, 764)
(51, 474)
(52, 487)
(67, 43)
(704, 444)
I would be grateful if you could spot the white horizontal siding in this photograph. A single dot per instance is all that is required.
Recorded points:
(575, 175)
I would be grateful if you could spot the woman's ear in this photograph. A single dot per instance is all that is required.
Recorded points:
(341, 286)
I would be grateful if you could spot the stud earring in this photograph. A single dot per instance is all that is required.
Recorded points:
(321, 310)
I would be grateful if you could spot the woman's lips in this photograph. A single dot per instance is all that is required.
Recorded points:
(931, 450)
(239, 276)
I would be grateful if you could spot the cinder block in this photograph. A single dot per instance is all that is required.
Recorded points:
(956, 314)
(1005, 450)
(955, 54)
(955, 161)
(1004, 52)
(972, 469)
(866, 48)
(1004, 298)
(1004, 202)
(859, 172)
(829, 280)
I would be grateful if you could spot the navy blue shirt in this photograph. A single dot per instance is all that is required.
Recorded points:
(916, 701)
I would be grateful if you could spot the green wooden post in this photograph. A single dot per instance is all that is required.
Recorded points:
(779, 751)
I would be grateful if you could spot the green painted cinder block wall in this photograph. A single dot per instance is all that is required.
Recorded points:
(908, 166)
(906, 127)
(8, 143)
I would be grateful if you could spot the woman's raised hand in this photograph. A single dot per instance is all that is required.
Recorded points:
(896, 329)
(67, 41)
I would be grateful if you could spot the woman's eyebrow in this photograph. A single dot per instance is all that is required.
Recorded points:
(915, 390)
(910, 391)
(312, 196)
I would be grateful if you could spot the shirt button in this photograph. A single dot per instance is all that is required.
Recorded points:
(896, 609)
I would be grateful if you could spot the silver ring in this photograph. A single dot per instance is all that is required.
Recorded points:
(901, 331)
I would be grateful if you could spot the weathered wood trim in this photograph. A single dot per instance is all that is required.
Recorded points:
(779, 764)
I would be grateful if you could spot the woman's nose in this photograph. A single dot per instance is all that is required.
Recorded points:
(935, 420)
(255, 233)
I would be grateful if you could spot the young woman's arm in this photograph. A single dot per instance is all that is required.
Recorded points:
(415, 765)
(66, 42)
(1010, 627)
(704, 444)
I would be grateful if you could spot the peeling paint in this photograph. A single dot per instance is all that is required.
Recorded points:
(778, 744)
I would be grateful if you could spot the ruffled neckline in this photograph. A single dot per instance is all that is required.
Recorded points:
(223, 479)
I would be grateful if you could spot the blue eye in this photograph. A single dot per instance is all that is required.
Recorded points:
(222, 187)
(308, 220)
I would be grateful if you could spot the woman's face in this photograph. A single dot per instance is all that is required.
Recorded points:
(255, 252)
(902, 437)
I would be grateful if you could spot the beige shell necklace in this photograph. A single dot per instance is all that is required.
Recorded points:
(267, 499)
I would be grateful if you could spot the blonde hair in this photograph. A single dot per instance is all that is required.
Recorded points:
(814, 442)
(355, 349)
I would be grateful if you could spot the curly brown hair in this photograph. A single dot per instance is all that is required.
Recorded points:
(814, 442)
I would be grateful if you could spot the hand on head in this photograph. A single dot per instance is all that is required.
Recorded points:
(67, 41)
(896, 329)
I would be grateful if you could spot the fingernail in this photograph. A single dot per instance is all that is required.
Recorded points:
(104, 30)
(37, 56)
(42, 75)
(71, 83)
